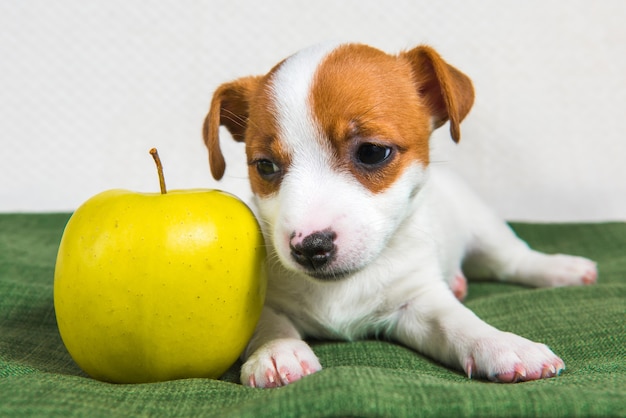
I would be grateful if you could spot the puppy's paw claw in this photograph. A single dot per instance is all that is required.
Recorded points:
(591, 275)
(279, 363)
(518, 374)
(470, 366)
(509, 358)
(549, 370)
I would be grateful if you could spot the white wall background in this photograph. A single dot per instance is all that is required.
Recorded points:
(88, 87)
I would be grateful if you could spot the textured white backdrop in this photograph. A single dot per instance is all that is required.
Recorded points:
(88, 87)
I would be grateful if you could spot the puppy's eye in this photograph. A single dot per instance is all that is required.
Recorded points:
(267, 169)
(372, 154)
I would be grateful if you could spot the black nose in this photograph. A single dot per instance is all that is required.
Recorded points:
(315, 250)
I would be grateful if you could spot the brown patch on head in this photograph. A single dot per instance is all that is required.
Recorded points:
(362, 96)
(263, 145)
(246, 108)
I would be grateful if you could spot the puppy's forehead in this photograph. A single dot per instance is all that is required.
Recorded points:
(364, 90)
(291, 85)
(325, 91)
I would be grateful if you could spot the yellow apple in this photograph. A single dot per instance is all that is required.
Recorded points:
(159, 286)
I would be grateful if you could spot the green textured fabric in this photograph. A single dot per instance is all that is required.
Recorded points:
(584, 325)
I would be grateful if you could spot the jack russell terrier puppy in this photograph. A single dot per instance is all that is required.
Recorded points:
(365, 238)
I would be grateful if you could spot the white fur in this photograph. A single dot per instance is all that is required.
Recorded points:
(401, 246)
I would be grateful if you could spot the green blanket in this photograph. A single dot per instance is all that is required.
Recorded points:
(584, 325)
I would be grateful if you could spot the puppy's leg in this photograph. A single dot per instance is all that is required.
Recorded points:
(497, 253)
(276, 354)
(437, 324)
(492, 250)
(550, 270)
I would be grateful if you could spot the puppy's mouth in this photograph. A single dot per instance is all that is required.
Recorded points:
(328, 276)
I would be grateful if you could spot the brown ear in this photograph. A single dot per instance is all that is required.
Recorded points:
(229, 107)
(447, 92)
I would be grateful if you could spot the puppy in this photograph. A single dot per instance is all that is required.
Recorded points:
(365, 238)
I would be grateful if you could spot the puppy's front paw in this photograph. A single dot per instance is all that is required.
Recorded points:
(509, 358)
(279, 363)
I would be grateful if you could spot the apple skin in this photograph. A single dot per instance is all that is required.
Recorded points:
(152, 287)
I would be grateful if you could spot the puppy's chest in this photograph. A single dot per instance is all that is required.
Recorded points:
(344, 310)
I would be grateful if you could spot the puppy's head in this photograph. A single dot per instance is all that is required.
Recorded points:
(337, 146)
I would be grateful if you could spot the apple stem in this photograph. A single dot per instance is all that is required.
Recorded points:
(157, 160)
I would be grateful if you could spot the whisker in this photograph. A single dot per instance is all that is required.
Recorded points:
(242, 121)
(235, 118)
